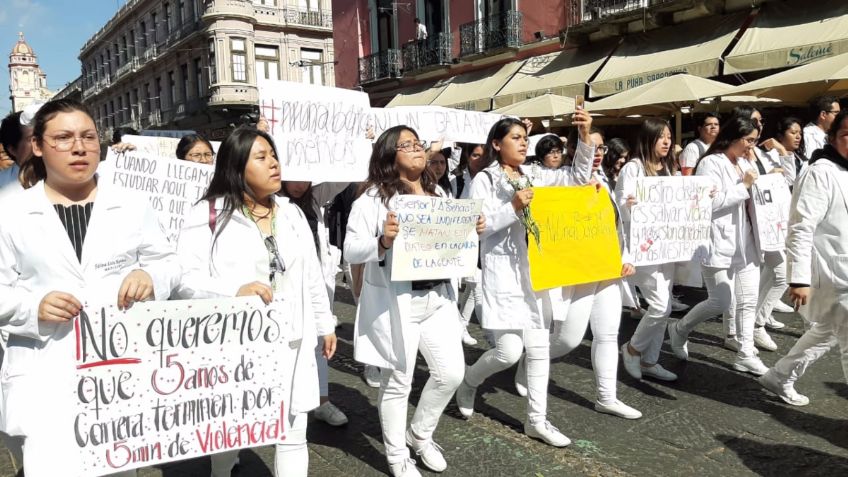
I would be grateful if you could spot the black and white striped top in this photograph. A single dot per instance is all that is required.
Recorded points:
(75, 220)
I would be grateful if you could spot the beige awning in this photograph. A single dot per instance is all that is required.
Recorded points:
(799, 85)
(694, 47)
(543, 106)
(419, 95)
(664, 96)
(474, 91)
(563, 73)
(791, 33)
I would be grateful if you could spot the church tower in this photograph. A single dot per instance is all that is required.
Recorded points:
(27, 83)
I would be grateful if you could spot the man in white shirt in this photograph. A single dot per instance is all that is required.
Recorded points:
(420, 30)
(707, 132)
(823, 111)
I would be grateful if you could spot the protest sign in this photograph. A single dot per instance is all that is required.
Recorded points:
(771, 197)
(172, 186)
(437, 238)
(435, 122)
(172, 380)
(162, 146)
(579, 242)
(670, 221)
(319, 131)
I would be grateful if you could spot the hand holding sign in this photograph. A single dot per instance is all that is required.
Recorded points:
(481, 224)
(257, 288)
(137, 286)
(391, 227)
(58, 307)
(749, 178)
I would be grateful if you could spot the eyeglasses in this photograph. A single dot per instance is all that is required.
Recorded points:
(832, 112)
(276, 264)
(554, 152)
(65, 142)
(411, 146)
(197, 156)
(750, 140)
(602, 149)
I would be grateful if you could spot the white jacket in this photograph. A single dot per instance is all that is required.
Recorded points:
(817, 244)
(329, 255)
(36, 257)
(509, 302)
(379, 338)
(732, 239)
(239, 256)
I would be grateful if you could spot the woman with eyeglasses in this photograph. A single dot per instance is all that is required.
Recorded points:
(397, 319)
(653, 157)
(511, 309)
(731, 267)
(311, 200)
(195, 148)
(549, 150)
(242, 239)
(64, 243)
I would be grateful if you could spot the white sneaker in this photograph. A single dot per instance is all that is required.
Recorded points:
(546, 432)
(762, 339)
(753, 365)
(465, 395)
(658, 372)
(330, 414)
(632, 364)
(467, 339)
(679, 344)
(732, 344)
(429, 452)
(773, 324)
(619, 409)
(677, 305)
(371, 374)
(637, 313)
(785, 391)
(521, 378)
(404, 469)
(781, 307)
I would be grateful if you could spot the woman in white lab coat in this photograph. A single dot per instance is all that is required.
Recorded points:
(653, 157)
(396, 319)
(510, 308)
(241, 239)
(731, 266)
(49, 267)
(817, 255)
(311, 199)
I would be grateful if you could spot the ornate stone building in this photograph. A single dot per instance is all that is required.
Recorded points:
(27, 83)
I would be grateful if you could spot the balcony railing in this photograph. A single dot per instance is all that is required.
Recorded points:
(149, 54)
(594, 10)
(491, 33)
(434, 51)
(381, 65)
(128, 67)
(311, 18)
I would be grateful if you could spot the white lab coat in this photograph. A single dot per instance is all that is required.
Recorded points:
(36, 257)
(239, 257)
(329, 255)
(509, 302)
(731, 233)
(379, 338)
(817, 248)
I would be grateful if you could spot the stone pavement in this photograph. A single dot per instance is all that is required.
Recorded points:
(713, 421)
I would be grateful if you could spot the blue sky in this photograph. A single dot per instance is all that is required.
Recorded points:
(56, 30)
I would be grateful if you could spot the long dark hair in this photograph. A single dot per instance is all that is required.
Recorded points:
(651, 132)
(616, 147)
(783, 125)
(188, 141)
(382, 173)
(467, 148)
(34, 170)
(732, 130)
(304, 202)
(499, 131)
(228, 180)
(11, 133)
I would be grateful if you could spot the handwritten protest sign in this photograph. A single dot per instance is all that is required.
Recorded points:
(772, 198)
(579, 242)
(171, 185)
(161, 146)
(172, 380)
(670, 221)
(437, 239)
(436, 122)
(319, 131)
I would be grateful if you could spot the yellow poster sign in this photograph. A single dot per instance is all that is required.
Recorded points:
(579, 243)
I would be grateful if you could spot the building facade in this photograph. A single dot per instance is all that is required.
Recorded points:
(195, 64)
(27, 83)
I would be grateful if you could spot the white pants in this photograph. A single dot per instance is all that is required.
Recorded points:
(507, 352)
(291, 459)
(655, 281)
(599, 305)
(323, 369)
(723, 286)
(434, 330)
(473, 302)
(812, 345)
(772, 284)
